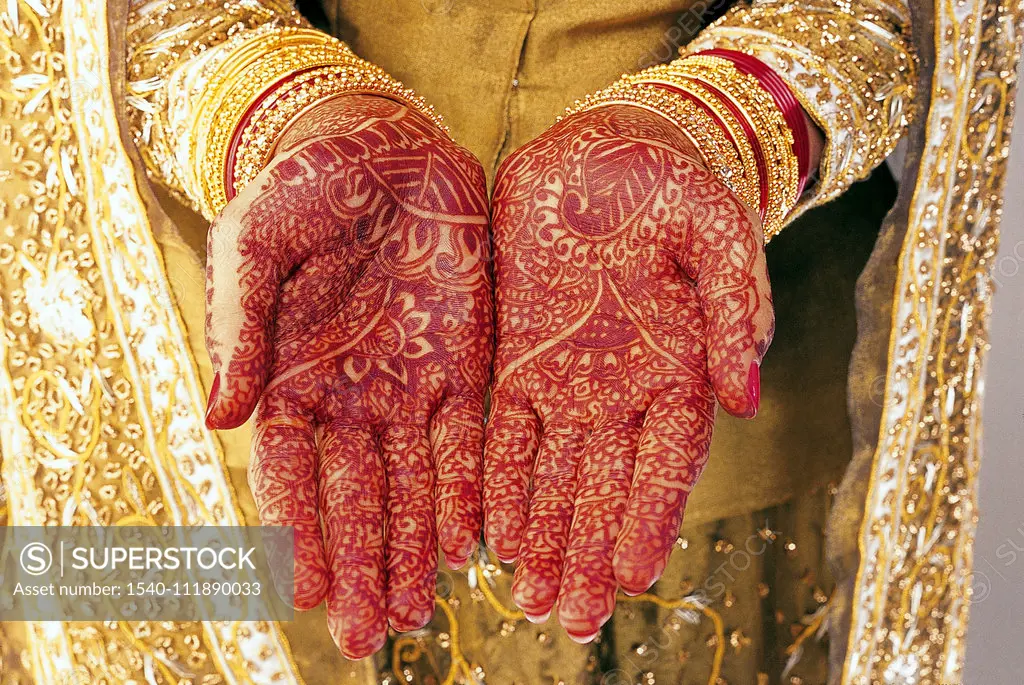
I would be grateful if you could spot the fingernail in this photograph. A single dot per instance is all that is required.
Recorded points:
(634, 591)
(537, 618)
(583, 639)
(754, 387)
(455, 563)
(506, 558)
(214, 389)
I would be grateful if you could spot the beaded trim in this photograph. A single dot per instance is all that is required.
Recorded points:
(258, 133)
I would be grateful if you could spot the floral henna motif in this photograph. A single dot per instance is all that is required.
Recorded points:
(348, 294)
(631, 291)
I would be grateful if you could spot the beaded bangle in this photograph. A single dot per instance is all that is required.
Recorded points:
(278, 108)
(766, 121)
(730, 162)
(239, 80)
(739, 128)
(716, 133)
(263, 72)
(711, 100)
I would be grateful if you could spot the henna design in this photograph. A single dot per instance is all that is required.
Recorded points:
(606, 465)
(631, 290)
(412, 542)
(348, 294)
(547, 528)
(353, 489)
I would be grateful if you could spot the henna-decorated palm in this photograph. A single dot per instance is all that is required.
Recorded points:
(631, 289)
(348, 295)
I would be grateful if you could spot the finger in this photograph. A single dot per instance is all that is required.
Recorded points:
(732, 281)
(672, 452)
(352, 509)
(411, 545)
(282, 478)
(513, 433)
(457, 443)
(587, 595)
(535, 586)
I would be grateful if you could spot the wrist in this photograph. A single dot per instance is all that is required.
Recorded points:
(259, 90)
(793, 114)
(639, 119)
(746, 123)
(816, 139)
(331, 116)
(717, 145)
(277, 115)
(241, 81)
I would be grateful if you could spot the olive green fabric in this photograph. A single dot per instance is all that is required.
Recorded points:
(501, 71)
(763, 574)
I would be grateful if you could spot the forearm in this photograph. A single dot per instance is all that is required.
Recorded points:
(816, 138)
(212, 85)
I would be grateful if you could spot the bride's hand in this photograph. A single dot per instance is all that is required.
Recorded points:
(632, 291)
(349, 304)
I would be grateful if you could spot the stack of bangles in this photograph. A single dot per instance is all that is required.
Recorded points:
(740, 115)
(262, 89)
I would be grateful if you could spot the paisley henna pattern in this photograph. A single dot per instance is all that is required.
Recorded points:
(348, 294)
(631, 290)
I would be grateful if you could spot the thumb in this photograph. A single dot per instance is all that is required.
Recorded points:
(735, 294)
(242, 280)
(303, 199)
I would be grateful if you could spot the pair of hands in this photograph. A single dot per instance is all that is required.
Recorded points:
(349, 304)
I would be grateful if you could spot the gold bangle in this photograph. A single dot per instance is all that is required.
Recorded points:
(246, 74)
(763, 116)
(277, 111)
(238, 81)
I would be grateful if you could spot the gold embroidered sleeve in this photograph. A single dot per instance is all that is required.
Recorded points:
(849, 63)
(174, 49)
(212, 84)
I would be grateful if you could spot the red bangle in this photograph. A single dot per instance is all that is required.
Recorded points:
(791, 109)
